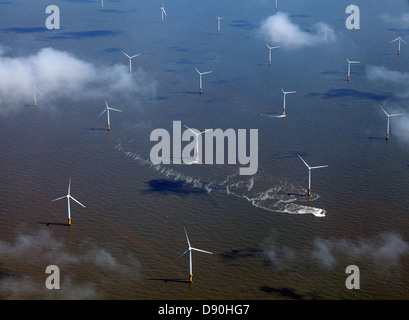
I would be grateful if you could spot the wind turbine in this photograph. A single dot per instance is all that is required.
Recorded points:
(102, 4)
(389, 115)
(197, 142)
(349, 67)
(269, 53)
(200, 75)
(285, 93)
(325, 29)
(309, 173)
(163, 11)
(130, 61)
(107, 111)
(399, 39)
(35, 90)
(190, 256)
(218, 24)
(68, 196)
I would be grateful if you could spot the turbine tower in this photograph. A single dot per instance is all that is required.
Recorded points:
(218, 24)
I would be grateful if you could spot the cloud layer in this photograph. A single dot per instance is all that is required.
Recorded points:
(39, 249)
(385, 249)
(278, 29)
(59, 74)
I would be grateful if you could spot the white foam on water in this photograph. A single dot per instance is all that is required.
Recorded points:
(279, 198)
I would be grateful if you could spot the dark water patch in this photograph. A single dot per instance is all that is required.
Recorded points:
(77, 35)
(241, 254)
(331, 72)
(167, 187)
(169, 280)
(54, 224)
(283, 292)
(343, 93)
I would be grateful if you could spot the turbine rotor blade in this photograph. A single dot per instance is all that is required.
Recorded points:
(304, 162)
(187, 238)
(384, 110)
(115, 109)
(37, 89)
(102, 113)
(76, 201)
(182, 255)
(202, 251)
(59, 198)
(318, 167)
(204, 131)
(125, 54)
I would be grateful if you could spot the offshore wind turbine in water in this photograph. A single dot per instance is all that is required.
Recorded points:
(162, 9)
(389, 115)
(285, 93)
(35, 90)
(399, 39)
(349, 67)
(325, 29)
(200, 78)
(269, 53)
(107, 111)
(309, 174)
(68, 196)
(218, 24)
(197, 134)
(190, 249)
(130, 61)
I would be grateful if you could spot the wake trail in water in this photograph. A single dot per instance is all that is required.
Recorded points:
(281, 197)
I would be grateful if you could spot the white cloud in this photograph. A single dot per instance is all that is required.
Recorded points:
(388, 247)
(38, 249)
(401, 21)
(59, 74)
(278, 29)
(381, 73)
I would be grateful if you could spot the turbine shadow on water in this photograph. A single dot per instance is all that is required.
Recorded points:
(165, 186)
(169, 280)
(54, 224)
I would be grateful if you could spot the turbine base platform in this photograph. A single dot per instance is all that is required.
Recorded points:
(190, 278)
